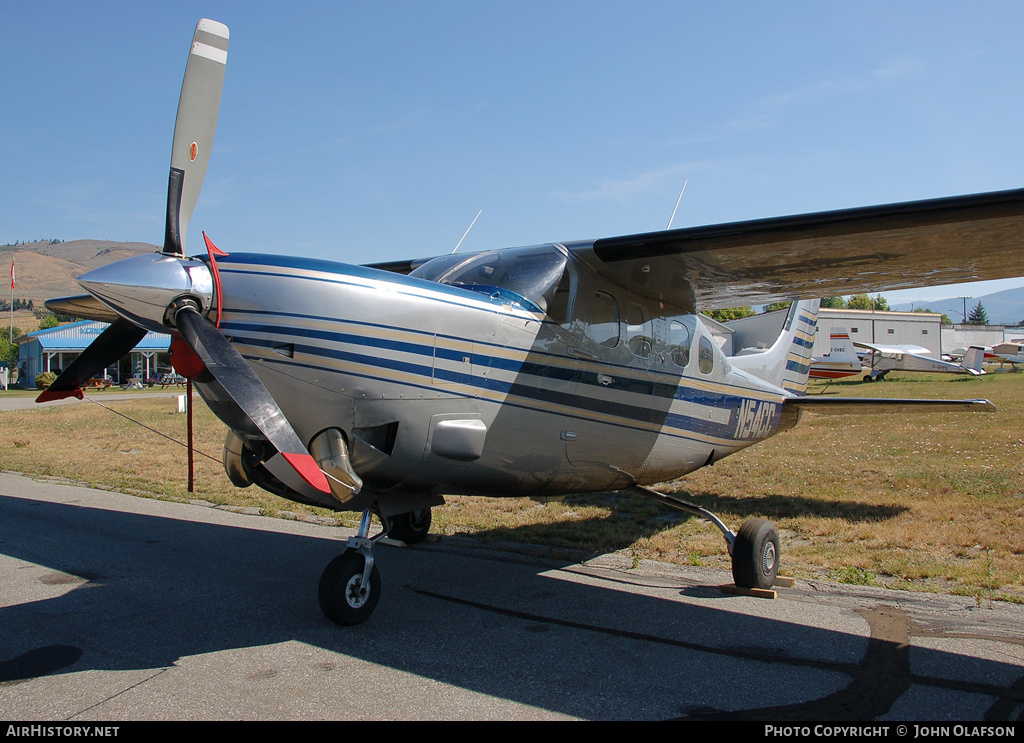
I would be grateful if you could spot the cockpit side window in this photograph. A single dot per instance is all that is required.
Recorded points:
(604, 319)
(561, 299)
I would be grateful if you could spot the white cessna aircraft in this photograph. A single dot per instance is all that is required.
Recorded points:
(1011, 352)
(558, 368)
(883, 359)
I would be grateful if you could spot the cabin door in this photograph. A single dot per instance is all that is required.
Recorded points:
(611, 430)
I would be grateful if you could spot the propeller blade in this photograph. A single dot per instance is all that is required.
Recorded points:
(198, 108)
(249, 393)
(113, 343)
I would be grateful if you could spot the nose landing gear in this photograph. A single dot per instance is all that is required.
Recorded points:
(350, 584)
(349, 588)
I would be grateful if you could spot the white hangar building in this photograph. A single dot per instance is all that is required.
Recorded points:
(866, 326)
(884, 328)
(961, 336)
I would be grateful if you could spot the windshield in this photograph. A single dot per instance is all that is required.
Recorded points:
(514, 274)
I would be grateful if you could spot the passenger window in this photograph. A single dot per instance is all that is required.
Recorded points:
(679, 343)
(604, 320)
(639, 331)
(705, 356)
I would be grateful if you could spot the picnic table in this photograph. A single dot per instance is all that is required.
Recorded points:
(172, 380)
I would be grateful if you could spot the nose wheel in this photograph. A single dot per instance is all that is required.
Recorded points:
(349, 588)
(350, 584)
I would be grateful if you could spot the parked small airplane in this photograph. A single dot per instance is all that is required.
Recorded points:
(841, 360)
(559, 368)
(883, 359)
(1011, 352)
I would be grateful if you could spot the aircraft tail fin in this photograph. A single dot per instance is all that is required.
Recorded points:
(841, 348)
(973, 359)
(788, 362)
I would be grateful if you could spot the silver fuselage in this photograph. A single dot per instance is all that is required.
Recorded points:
(441, 389)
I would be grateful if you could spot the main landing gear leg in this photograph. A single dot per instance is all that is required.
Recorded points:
(350, 584)
(754, 548)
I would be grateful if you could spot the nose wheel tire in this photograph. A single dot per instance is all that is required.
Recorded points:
(755, 555)
(345, 598)
(411, 527)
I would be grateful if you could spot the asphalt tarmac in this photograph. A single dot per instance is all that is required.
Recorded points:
(114, 607)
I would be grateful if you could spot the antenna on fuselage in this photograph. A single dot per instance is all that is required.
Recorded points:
(677, 205)
(468, 229)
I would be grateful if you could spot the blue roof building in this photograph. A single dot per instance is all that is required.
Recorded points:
(54, 348)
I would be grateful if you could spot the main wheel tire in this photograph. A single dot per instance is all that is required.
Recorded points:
(411, 527)
(343, 598)
(755, 555)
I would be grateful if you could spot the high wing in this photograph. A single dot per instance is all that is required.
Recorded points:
(1012, 352)
(851, 251)
(894, 350)
(1008, 349)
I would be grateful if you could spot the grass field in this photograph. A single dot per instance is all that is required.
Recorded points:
(931, 502)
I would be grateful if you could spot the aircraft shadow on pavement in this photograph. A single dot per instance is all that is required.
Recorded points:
(636, 516)
(145, 591)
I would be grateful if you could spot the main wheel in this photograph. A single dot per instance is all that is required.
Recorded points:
(343, 597)
(411, 527)
(755, 555)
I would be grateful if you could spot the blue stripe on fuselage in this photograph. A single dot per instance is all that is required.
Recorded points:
(590, 397)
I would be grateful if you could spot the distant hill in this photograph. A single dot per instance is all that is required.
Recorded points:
(44, 270)
(1003, 308)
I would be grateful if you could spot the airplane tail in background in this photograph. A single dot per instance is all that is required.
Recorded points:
(787, 363)
(841, 359)
(973, 359)
(841, 347)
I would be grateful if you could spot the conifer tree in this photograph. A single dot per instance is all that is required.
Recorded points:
(978, 316)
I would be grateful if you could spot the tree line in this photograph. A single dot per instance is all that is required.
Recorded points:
(48, 241)
(19, 304)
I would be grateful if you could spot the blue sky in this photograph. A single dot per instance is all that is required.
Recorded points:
(362, 132)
